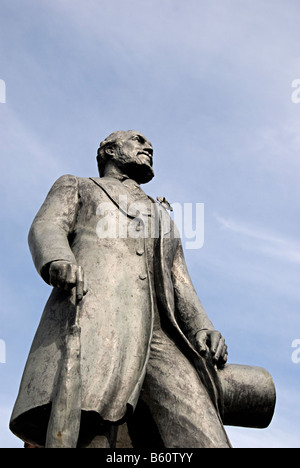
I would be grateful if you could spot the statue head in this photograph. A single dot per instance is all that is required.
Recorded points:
(130, 152)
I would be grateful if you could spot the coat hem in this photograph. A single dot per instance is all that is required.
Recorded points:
(31, 426)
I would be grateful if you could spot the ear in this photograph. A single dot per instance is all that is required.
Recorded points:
(110, 150)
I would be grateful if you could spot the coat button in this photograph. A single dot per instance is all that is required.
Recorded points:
(140, 252)
(142, 276)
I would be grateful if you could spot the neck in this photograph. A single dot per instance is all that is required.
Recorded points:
(111, 170)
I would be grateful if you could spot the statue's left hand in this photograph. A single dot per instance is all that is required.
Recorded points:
(211, 341)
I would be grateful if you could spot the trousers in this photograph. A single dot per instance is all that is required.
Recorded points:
(174, 403)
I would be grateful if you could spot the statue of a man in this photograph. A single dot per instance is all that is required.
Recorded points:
(148, 351)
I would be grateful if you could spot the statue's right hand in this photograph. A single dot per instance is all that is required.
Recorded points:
(66, 275)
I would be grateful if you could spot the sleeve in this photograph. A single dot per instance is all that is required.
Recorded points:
(189, 311)
(48, 235)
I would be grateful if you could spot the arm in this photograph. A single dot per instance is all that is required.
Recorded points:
(191, 315)
(49, 232)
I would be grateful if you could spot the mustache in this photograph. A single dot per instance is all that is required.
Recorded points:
(146, 153)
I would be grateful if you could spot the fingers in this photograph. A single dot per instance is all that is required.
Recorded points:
(220, 351)
(62, 274)
(215, 338)
(212, 340)
(201, 339)
(223, 359)
(66, 275)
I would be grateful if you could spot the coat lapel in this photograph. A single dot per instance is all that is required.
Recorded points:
(122, 197)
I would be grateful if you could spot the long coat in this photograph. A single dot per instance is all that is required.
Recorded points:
(83, 221)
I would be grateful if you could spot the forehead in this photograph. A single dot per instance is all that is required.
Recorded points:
(132, 133)
(122, 136)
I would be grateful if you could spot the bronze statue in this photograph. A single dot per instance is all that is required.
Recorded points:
(124, 337)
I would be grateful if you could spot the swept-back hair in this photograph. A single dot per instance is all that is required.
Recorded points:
(114, 139)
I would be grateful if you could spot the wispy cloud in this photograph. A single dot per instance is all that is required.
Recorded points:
(28, 165)
(265, 242)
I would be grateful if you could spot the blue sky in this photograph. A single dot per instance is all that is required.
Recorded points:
(209, 83)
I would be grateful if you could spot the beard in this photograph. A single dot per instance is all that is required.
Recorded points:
(134, 167)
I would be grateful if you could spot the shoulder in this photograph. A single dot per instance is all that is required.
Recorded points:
(66, 180)
(71, 181)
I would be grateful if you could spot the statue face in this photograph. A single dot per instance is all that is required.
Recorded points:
(134, 155)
